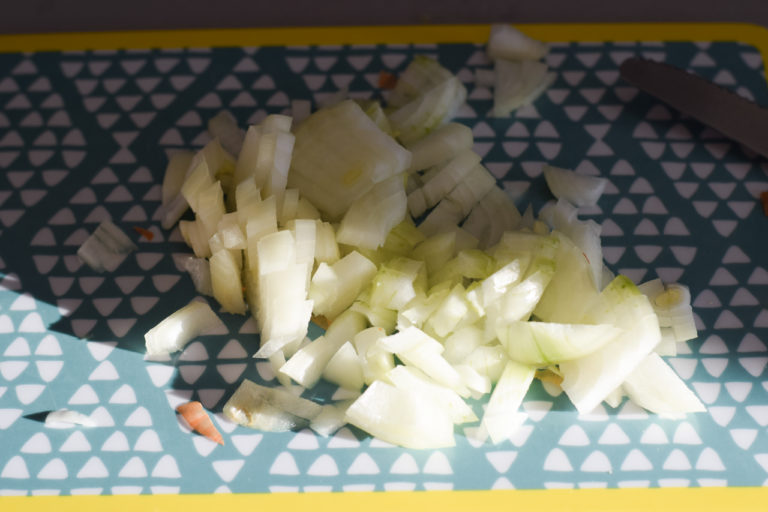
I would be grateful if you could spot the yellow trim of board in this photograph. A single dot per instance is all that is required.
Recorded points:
(389, 34)
(738, 499)
(713, 499)
(752, 34)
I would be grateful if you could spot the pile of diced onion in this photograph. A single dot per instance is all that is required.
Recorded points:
(382, 225)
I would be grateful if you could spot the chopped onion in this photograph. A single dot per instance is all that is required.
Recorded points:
(518, 83)
(469, 301)
(655, 386)
(546, 343)
(269, 409)
(563, 217)
(106, 248)
(442, 144)
(494, 214)
(65, 418)
(339, 155)
(420, 76)
(508, 42)
(200, 272)
(335, 287)
(589, 379)
(175, 173)
(181, 327)
(428, 111)
(372, 216)
(501, 416)
(223, 126)
(400, 417)
(306, 365)
(578, 189)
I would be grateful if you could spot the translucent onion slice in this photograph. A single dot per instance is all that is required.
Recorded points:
(493, 215)
(345, 368)
(306, 366)
(442, 144)
(175, 331)
(335, 287)
(501, 416)
(545, 343)
(589, 379)
(450, 174)
(421, 75)
(372, 216)
(65, 418)
(400, 417)
(226, 282)
(655, 386)
(175, 173)
(200, 272)
(427, 112)
(270, 409)
(518, 83)
(339, 155)
(413, 380)
(577, 189)
(223, 126)
(508, 42)
(106, 248)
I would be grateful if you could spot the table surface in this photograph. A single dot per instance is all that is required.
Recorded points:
(89, 15)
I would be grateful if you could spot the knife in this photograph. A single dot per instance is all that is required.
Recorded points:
(735, 117)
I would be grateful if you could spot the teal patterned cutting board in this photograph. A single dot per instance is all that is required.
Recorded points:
(85, 136)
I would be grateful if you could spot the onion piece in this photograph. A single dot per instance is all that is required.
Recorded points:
(200, 272)
(578, 189)
(508, 42)
(518, 83)
(175, 173)
(400, 417)
(447, 176)
(589, 379)
(501, 416)
(307, 364)
(655, 386)
(223, 126)
(179, 328)
(339, 155)
(545, 343)
(225, 267)
(421, 75)
(416, 348)
(572, 289)
(375, 361)
(427, 112)
(493, 215)
(335, 287)
(372, 216)
(331, 418)
(269, 409)
(345, 369)
(65, 418)
(442, 144)
(415, 381)
(106, 248)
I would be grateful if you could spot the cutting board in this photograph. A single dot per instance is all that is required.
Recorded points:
(87, 122)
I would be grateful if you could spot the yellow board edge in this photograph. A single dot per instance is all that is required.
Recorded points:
(752, 34)
(708, 499)
(737, 499)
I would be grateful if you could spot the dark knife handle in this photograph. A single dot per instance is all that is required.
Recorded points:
(735, 117)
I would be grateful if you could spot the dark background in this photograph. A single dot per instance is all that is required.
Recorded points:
(84, 15)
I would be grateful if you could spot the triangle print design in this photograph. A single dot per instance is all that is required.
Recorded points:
(85, 137)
